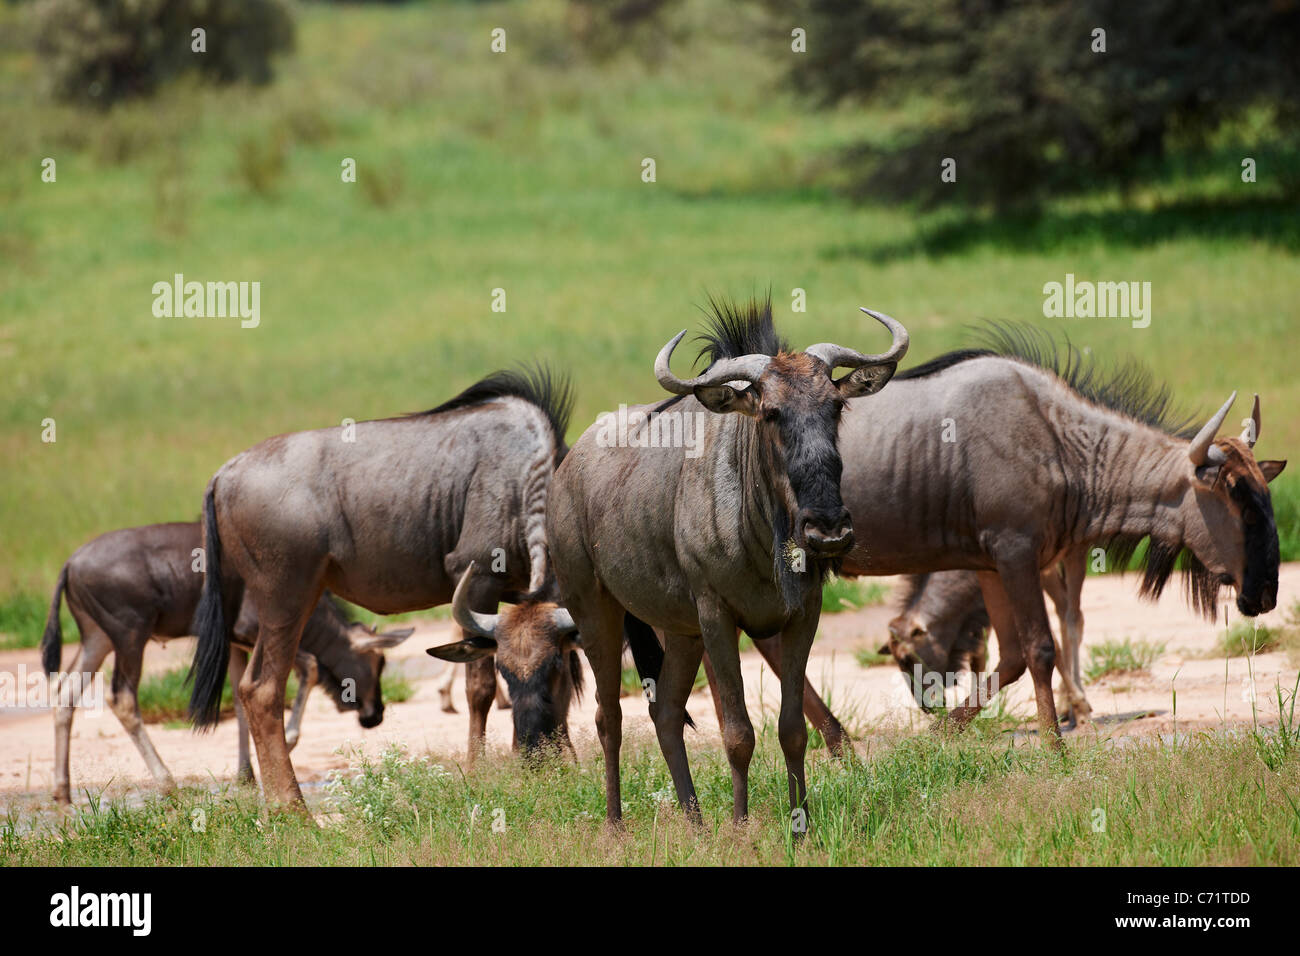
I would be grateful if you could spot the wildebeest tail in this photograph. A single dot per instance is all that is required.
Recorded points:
(208, 671)
(52, 639)
(647, 653)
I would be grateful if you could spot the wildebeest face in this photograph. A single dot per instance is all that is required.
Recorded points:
(1228, 521)
(535, 644)
(1231, 529)
(355, 674)
(797, 404)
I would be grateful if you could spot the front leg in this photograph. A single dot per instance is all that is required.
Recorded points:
(796, 642)
(814, 708)
(718, 628)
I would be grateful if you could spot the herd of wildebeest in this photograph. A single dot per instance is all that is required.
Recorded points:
(989, 475)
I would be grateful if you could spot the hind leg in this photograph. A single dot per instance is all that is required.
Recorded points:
(238, 663)
(95, 647)
(445, 685)
(308, 672)
(261, 690)
(1011, 657)
(127, 667)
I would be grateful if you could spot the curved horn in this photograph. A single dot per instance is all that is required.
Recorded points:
(837, 356)
(746, 368)
(1254, 417)
(1200, 451)
(563, 620)
(484, 625)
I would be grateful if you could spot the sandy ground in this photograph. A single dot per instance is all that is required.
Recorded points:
(1210, 693)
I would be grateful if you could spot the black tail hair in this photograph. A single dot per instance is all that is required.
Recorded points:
(52, 639)
(647, 654)
(208, 671)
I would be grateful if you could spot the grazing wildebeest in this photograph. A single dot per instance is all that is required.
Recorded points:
(1003, 460)
(734, 531)
(388, 516)
(942, 627)
(127, 587)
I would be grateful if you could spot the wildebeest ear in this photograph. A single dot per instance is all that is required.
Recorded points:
(462, 652)
(885, 648)
(866, 380)
(724, 398)
(1271, 468)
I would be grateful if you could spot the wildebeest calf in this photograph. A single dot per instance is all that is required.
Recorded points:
(128, 586)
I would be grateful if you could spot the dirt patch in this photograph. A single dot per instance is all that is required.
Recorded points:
(1210, 692)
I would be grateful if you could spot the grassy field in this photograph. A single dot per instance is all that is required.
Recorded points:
(520, 171)
(917, 801)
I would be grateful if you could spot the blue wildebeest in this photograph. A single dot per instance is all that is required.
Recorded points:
(128, 587)
(1003, 460)
(942, 628)
(390, 520)
(701, 545)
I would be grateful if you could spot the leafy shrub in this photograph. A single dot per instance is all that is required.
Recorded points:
(98, 52)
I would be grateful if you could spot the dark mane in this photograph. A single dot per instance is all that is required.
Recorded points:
(736, 330)
(1126, 387)
(538, 385)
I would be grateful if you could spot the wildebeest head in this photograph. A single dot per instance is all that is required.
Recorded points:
(941, 628)
(536, 647)
(796, 402)
(351, 670)
(1227, 519)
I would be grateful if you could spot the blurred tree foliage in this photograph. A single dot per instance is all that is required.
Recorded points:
(96, 52)
(1014, 91)
(603, 28)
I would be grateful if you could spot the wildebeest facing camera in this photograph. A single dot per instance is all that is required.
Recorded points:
(512, 433)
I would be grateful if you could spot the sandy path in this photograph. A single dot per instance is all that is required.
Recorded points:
(1209, 692)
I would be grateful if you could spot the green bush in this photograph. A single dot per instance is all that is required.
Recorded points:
(97, 52)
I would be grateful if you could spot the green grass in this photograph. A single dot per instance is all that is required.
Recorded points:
(923, 800)
(849, 594)
(1124, 656)
(518, 171)
(1246, 638)
(869, 657)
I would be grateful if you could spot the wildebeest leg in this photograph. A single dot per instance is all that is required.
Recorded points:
(682, 654)
(480, 689)
(713, 690)
(814, 708)
(1075, 567)
(235, 671)
(95, 646)
(282, 614)
(1023, 585)
(1056, 587)
(445, 685)
(480, 675)
(308, 672)
(796, 642)
(1011, 657)
(127, 667)
(600, 622)
(719, 632)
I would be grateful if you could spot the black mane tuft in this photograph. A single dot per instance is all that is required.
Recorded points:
(736, 330)
(550, 392)
(1127, 387)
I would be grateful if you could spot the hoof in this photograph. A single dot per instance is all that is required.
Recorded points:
(63, 796)
(449, 709)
